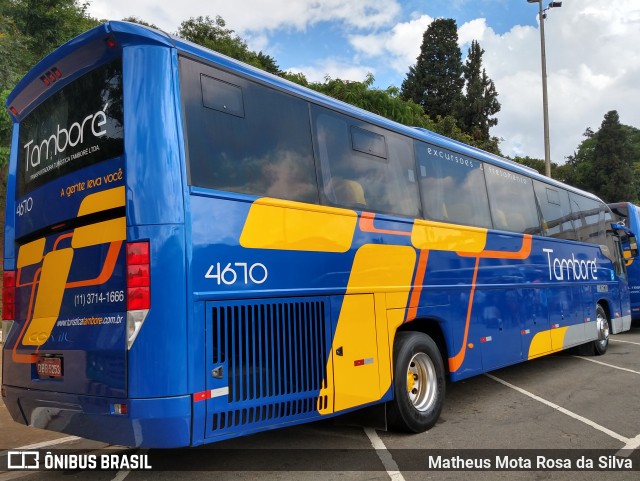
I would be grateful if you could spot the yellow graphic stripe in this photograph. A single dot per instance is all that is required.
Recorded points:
(101, 201)
(55, 270)
(376, 268)
(546, 342)
(31, 253)
(287, 225)
(100, 233)
(446, 237)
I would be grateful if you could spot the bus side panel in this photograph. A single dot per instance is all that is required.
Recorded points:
(158, 358)
(152, 144)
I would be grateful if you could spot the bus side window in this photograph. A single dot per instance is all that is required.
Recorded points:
(453, 187)
(245, 138)
(362, 165)
(555, 211)
(512, 201)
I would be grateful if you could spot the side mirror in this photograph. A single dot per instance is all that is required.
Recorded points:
(627, 240)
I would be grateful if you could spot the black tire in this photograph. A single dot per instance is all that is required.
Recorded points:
(602, 343)
(416, 407)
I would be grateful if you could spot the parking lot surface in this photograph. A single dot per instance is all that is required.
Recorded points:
(548, 412)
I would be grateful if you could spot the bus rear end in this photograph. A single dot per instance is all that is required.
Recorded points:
(94, 205)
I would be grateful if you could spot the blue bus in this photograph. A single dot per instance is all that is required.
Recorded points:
(628, 214)
(197, 250)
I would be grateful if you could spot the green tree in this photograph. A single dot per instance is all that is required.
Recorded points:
(213, 34)
(480, 101)
(607, 162)
(435, 82)
(47, 24)
(387, 103)
(613, 157)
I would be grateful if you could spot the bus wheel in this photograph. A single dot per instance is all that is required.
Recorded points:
(419, 383)
(602, 322)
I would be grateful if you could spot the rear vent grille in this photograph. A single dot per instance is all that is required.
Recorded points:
(275, 354)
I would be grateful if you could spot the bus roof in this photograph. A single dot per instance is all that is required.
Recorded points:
(97, 45)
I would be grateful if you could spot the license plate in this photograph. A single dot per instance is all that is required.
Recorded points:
(49, 367)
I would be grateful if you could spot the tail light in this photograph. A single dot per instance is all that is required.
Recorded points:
(8, 295)
(138, 278)
(138, 288)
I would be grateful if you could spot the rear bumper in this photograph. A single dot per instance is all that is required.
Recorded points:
(152, 423)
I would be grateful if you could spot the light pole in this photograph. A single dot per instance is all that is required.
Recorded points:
(545, 103)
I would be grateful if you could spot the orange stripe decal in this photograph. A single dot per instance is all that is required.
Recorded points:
(367, 225)
(107, 268)
(27, 358)
(523, 253)
(456, 361)
(418, 283)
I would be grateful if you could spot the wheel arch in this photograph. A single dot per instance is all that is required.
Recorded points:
(432, 328)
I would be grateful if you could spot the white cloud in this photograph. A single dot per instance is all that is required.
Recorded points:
(592, 56)
(593, 66)
(334, 68)
(253, 15)
(400, 45)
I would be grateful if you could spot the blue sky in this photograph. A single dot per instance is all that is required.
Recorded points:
(592, 56)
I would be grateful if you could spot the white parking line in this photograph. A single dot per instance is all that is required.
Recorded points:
(626, 342)
(44, 444)
(608, 365)
(586, 421)
(385, 456)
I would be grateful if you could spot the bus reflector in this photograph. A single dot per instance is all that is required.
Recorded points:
(8, 295)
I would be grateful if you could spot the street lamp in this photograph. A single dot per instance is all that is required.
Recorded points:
(545, 106)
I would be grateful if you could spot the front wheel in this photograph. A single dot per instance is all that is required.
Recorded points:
(418, 383)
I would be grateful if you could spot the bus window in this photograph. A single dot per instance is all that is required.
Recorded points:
(453, 187)
(91, 108)
(589, 219)
(513, 205)
(365, 167)
(247, 138)
(555, 210)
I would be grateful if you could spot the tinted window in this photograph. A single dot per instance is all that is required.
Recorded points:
(588, 219)
(555, 210)
(77, 126)
(357, 173)
(244, 137)
(513, 204)
(453, 187)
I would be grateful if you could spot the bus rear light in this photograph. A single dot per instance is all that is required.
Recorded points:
(120, 408)
(138, 276)
(13, 110)
(138, 298)
(8, 295)
(135, 319)
(45, 80)
(111, 43)
(56, 72)
(138, 253)
(138, 288)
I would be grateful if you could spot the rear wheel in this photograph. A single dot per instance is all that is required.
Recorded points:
(419, 383)
(602, 321)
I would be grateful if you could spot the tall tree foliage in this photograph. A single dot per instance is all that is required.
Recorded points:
(387, 103)
(480, 100)
(435, 82)
(607, 161)
(48, 23)
(213, 34)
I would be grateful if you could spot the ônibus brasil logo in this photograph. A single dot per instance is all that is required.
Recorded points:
(58, 141)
